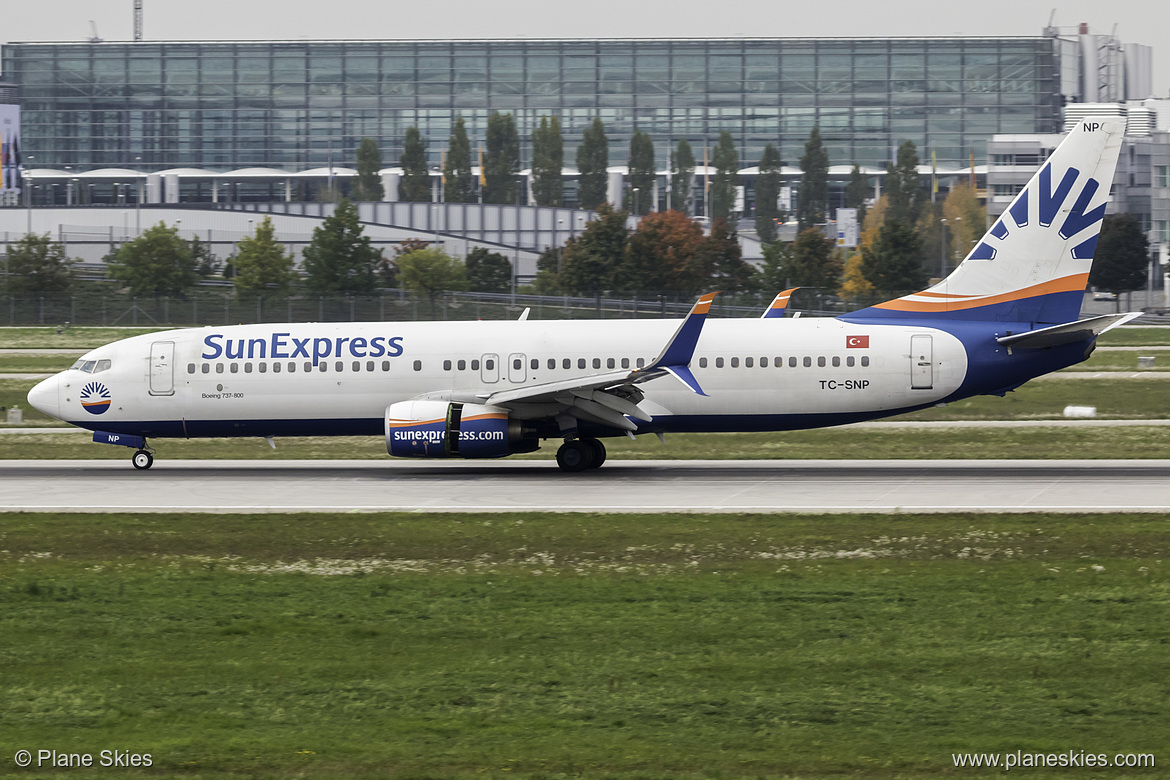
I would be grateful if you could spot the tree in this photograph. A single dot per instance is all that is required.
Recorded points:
(682, 177)
(262, 265)
(856, 192)
(720, 254)
(768, 195)
(592, 161)
(814, 182)
(488, 271)
(430, 273)
(340, 258)
(548, 160)
(206, 263)
(457, 184)
(894, 263)
(855, 286)
(156, 263)
(502, 161)
(813, 261)
(37, 265)
(415, 185)
(773, 271)
(904, 187)
(592, 261)
(367, 184)
(642, 173)
(661, 255)
(1122, 255)
(726, 161)
(966, 218)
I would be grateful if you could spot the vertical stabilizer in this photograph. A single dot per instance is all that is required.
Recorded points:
(1033, 265)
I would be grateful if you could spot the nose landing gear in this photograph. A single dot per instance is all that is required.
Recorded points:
(143, 459)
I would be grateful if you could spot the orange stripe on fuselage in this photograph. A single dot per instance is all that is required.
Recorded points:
(1066, 284)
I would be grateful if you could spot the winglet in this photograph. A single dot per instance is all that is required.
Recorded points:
(779, 305)
(676, 356)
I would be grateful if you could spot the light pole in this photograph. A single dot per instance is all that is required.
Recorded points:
(636, 191)
(942, 248)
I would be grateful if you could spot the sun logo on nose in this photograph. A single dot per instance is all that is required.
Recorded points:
(95, 398)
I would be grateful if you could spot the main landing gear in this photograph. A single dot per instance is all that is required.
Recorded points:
(143, 459)
(580, 455)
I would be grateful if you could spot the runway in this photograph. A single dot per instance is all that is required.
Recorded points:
(619, 486)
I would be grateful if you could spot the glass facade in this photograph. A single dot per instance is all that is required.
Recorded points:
(294, 105)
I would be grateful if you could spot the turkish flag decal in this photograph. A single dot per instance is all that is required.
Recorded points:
(857, 342)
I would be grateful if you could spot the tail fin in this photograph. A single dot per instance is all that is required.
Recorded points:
(1033, 265)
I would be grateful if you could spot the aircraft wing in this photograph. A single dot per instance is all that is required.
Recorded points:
(609, 397)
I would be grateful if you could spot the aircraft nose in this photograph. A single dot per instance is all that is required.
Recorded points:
(44, 397)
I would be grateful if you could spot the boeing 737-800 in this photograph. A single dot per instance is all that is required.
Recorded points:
(1007, 314)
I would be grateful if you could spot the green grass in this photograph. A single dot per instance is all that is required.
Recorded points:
(68, 338)
(1136, 336)
(1045, 399)
(546, 646)
(33, 363)
(1123, 361)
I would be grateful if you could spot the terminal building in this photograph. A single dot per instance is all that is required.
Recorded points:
(276, 121)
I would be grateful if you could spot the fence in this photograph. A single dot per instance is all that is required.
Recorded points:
(220, 307)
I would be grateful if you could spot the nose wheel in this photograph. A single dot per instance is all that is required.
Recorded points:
(142, 460)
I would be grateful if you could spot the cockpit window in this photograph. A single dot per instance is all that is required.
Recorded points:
(103, 365)
(88, 365)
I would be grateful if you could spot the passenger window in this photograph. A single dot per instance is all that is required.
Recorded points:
(247, 368)
(864, 360)
(190, 368)
(103, 365)
(535, 363)
(475, 365)
(610, 363)
(263, 368)
(836, 361)
(446, 365)
(385, 365)
(580, 362)
(461, 365)
(718, 362)
(625, 362)
(808, 362)
(219, 368)
(597, 363)
(340, 366)
(849, 361)
(763, 362)
(702, 362)
(552, 363)
(517, 364)
(235, 368)
(488, 364)
(735, 362)
(641, 362)
(418, 365)
(292, 367)
(276, 367)
(323, 367)
(357, 365)
(206, 368)
(821, 361)
(792, 362)
(369, 365)
(747, 363)
(308, 366)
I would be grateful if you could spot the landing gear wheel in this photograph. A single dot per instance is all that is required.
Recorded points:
(575, 456)
(142, 460)
(598, 452)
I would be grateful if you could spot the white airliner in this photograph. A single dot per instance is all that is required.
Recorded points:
(1007, 314)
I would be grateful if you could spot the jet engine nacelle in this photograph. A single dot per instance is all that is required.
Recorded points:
(438, 429)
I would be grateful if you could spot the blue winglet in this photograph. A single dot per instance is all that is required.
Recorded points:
(684, 375)
(676, 356)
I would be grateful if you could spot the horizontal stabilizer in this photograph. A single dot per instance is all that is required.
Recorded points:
(1067, 333)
